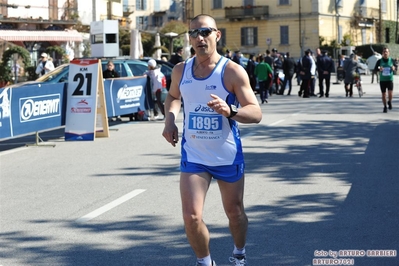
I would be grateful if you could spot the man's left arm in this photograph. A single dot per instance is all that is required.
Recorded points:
(238, 83)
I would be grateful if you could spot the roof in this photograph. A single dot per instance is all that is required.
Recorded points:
(40, 36)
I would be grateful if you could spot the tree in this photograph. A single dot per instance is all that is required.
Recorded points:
(5, 70)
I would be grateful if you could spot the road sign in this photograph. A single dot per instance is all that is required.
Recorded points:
(86, 110)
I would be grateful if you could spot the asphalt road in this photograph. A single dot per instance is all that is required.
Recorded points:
(322, 177)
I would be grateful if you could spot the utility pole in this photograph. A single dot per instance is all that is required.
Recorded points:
(94, 15)
(379, 30)
(397, 22)
(300, 28)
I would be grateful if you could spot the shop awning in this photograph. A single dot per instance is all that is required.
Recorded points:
(40, 36)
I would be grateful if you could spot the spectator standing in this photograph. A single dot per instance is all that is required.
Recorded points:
(297, 70)
(158, 85)
(350, 68)
(325, 66)
(227, 54)
(306, 76)
(371, 61)
(237, 57)
(177, 57)
(210, 151)
(289, 70)
(277, 67)
(313, 74)
(264, 73)
(385, 66)
(45, 65)
(110, 72)
(250, 68)
(269, 59)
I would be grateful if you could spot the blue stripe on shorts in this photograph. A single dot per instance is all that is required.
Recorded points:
(227, 173)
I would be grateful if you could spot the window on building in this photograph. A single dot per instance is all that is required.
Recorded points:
(248, 2)
(157, 5)
(384, 6)
(172, 7)
(141, 4)
(340, 37)
(217, 4)
(284, 2)
(141, 23)
(110, 38)
(157, 21)
(284, 37)
(98, 38)
(387, 39)
(364, 36)
(249, 36)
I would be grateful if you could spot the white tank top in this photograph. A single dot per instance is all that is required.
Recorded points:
(208, 137)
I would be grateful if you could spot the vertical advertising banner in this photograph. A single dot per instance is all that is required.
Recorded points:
(5, 113)
(81, 110)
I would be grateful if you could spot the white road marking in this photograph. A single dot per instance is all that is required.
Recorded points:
(109, 206)
(277, 122)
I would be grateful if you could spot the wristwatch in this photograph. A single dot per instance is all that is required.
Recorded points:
(233, 110)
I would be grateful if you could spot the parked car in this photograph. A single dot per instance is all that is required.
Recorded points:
(125, 68)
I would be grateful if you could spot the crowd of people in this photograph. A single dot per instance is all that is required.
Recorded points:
(274, 72)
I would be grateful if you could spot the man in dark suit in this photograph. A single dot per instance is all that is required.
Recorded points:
(237, 57)
(250, 68)
(325, 66)
(306, 76)
(288, 70)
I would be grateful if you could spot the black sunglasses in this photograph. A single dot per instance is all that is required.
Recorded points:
(204, 32)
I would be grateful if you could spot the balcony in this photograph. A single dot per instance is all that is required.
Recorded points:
(22, 23)
(246, 12)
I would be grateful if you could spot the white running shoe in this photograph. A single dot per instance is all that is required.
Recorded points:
(238, 260)
(213, 263)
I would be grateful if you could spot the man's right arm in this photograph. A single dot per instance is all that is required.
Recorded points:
(172, 106)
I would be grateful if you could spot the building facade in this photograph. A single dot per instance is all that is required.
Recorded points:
(151, 15)
(43, 23)
(297, 25)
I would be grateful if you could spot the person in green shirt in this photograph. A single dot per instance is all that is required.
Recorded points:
(385, 66)
(264, 74)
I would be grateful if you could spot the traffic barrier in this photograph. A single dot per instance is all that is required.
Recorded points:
(33, 108)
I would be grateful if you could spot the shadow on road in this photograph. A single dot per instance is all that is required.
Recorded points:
(367, 218)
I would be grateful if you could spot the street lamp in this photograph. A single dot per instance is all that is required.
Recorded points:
(171, 36)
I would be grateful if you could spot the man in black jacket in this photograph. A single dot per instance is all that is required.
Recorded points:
(306, 76)
(288, 70)
(325, 66)
(177, 57)
(250, 68)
